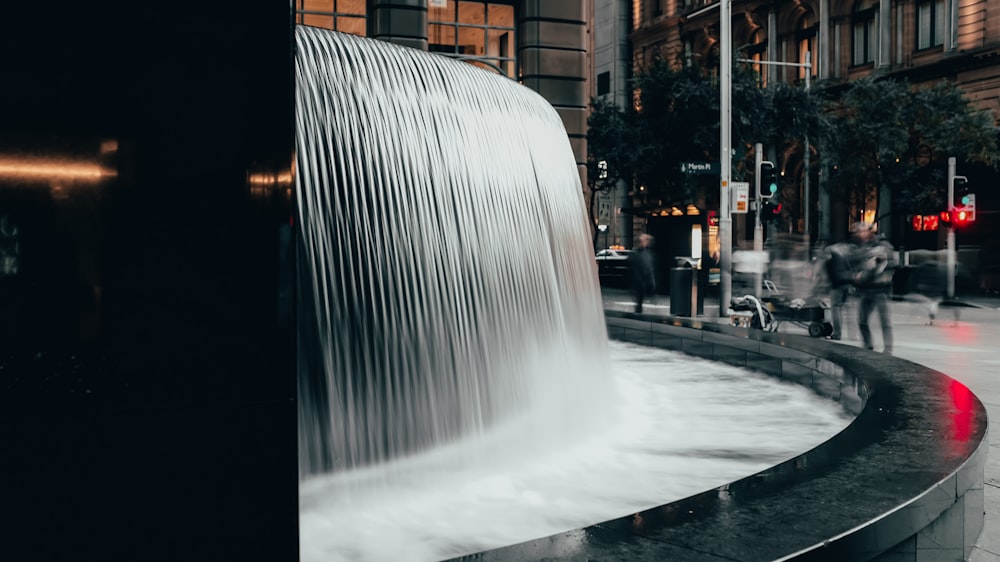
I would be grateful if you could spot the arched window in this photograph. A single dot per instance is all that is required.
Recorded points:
(481, 33)
(757, 52)
(806, 36)
(930, 23)
(864, 25)
(347, 16)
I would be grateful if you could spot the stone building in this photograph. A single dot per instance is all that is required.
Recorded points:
(921, 41)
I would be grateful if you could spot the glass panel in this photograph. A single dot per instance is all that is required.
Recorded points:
(923, 26)
(872, 39)
(441, 38)
(859, 43)
(501, 15)
(472, 13)
(352, 25)
(471, 40)
(500, 43)
(325, 22)
(316, 5)
(444, 13)
(350, 7)
(489, 64)
(938, 23)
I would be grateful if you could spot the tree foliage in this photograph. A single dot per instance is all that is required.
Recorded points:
(886, 134)
(880, 135)
(675, 119)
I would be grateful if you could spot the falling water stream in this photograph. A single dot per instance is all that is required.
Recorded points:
(457, 389)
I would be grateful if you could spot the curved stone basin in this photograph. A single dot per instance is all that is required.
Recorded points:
(904, 480)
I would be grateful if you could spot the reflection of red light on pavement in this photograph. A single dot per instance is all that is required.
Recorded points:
(962, 400)
(961, 333)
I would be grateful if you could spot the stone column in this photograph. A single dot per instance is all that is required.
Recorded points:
(884, 35)
(403, 22)
(553, 62)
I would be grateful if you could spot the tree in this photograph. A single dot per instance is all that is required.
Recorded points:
(889, 138)
(610, 157)
(675, 119)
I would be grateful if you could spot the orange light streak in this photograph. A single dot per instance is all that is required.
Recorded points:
(39, 169)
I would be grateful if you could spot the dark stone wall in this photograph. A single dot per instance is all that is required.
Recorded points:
(147, 371)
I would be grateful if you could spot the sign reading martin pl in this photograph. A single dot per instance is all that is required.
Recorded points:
(699, 168)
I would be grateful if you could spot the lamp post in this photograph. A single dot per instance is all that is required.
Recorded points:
(725, 157)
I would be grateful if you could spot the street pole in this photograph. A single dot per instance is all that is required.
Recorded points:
(725, 157)
(758, 229)
(950, 248)
(805, 165)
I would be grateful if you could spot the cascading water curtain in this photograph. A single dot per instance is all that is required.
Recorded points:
(447, 281)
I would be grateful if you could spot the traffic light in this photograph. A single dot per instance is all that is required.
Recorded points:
(767, 180)
(769, 211)
(960, 190)
(969, 206)
(964, 203)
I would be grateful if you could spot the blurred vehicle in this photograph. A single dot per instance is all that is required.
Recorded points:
(612, 267)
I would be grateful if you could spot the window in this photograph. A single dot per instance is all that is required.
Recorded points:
(930, 24)
(481, 33)
(757, 52)
(807, 44)
(864, 23)
(603, 83)
(347, 16)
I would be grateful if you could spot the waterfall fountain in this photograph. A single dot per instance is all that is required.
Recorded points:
(452, 339)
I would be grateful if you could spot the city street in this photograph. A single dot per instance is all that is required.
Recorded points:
(963, 342)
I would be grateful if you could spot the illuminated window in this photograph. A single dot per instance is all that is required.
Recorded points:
(347, 16)
(481, 33)
(757, 52)
(930, 24)
(807, 44)
(865, 25)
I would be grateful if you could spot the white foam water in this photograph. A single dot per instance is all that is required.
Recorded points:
(681, 425)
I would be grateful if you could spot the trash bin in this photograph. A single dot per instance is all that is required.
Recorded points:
(681, 285)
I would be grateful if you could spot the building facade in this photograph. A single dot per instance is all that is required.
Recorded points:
(921, 41)
(543, 44)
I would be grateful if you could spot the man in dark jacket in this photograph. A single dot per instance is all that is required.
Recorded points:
(642, 266)
(875, 261)
(841, 278)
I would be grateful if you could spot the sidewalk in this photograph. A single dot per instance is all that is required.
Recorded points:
(963, 342)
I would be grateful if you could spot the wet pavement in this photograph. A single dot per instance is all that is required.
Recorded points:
(962, 342)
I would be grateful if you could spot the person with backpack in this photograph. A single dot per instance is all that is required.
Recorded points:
(874, 264)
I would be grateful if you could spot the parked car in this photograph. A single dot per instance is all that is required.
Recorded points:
(612, 267)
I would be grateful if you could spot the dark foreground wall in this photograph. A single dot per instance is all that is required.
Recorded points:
(903, 482)
(146, 368)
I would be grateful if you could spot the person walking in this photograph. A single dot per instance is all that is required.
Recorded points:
(840, 277)
(875, 264)
(642, 266)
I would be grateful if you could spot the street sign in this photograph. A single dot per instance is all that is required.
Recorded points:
(699, 168)
(604, 209)
(741, 196)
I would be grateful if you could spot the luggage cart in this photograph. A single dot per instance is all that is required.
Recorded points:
(768, 313)
(811, 314)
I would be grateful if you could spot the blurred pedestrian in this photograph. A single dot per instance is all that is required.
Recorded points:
(874, 264)
(928, 285)
(642, 266)
(841, 282)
